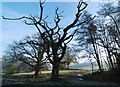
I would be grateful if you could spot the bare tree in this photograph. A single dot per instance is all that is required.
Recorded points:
(109, 32)
(30, 51)
(55, 40)
(108, 10)
(87, 38)
(70, 57)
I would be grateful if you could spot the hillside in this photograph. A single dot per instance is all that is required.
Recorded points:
(84, 65)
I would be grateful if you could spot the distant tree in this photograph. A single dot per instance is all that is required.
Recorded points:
(8, 67)
(30, 51)
(86, 38)
(63, 66)
(70, 57)
(109, 33)
(11, 66)
(55, 37)
(108, 10)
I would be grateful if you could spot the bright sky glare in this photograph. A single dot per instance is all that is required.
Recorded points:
(17, 30)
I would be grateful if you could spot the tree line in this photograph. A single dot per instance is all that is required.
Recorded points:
(100, 38)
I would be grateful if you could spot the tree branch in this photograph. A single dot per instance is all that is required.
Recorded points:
(24, 17)
(26, 62)
(78, 14)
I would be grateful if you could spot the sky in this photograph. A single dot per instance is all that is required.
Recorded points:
(17, 30)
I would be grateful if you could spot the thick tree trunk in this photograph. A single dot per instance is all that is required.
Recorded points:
(37, 70)
(55, 71)
(37, 73)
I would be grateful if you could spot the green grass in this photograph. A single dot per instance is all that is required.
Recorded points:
(68, 71)
(46, 81)
(18, 74)
(48, 72)
(62, 73)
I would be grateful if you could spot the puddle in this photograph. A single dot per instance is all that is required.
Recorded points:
(79, 75)
(81, 79)
(47, 77)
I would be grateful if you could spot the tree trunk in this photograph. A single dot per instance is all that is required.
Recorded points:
(96, 53)
(98, 59)
(92, 66)
(37, 70)
(55, 71)
(98, 62)
(37, 73)
(68, 67)
(68, 64)
(110, 59)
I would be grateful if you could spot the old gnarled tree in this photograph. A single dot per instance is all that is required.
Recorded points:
(55, 40)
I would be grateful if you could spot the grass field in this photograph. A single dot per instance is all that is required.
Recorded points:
(70, 78)
(60, 72)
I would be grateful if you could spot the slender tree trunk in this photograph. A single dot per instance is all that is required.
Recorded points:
(92, 66)
(96, 53)
(110, 59)
(98, 62)
(118, 62)
(115, 22)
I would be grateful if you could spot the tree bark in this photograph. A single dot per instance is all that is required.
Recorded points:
(98, 62)
(37, 73)
(110, 59)
(96, 53)
(37, 69)
(55, 71)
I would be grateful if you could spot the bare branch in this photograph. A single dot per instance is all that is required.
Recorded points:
(63, 53)
(24, 17)
(26, 62)
(41, 11)
(28, 23)
(32, 59)
(48, 49)
(78, 14)
(25, 51)
(44, 60)
(84, 22)
(71, 36)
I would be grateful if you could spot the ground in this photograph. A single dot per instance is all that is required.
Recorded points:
(67, 77)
